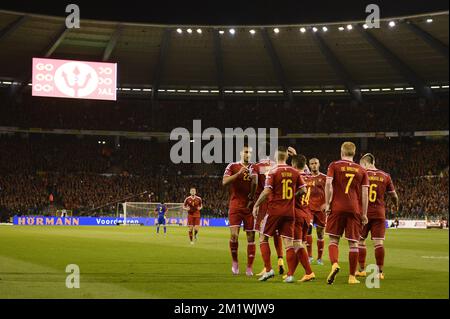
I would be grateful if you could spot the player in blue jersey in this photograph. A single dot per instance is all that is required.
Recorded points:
(161, 210)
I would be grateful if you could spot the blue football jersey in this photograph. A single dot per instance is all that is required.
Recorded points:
(161, 209)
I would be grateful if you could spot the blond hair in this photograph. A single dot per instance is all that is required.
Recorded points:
(348, 149)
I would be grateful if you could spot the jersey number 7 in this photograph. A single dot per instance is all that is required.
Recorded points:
(350, 180)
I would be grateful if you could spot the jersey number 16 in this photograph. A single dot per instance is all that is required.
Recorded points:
(288, 192)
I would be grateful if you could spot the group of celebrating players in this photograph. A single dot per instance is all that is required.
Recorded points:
(283, 202)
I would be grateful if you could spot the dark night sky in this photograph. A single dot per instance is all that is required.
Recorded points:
(227, 12)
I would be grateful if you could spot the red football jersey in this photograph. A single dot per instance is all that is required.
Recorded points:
(194, 203)
(261, 169)
(301, 203)
(240, 187)
(284, 181)
(316, 191)
(348, 179)
(380, 183)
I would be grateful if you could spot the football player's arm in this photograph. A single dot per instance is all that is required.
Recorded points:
(301, 191)
(365, 200)
(394, 197)
(328, 193)
(393, 194)
(329, 188)
(253, 186)
(365, 196)
(201, 205)
(291, 151)
(263, 197)
(302, 188)
(227, 179)
(185, 206)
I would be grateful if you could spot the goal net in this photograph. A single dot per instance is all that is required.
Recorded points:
(147, 210)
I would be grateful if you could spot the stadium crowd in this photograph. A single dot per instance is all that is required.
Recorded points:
(308, 115)
(88, 178)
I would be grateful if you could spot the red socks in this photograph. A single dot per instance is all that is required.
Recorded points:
(234, 250)
(251, 250)
(320, 245)
(292, 261)
(265, 253)
(190, 235)
(379, 257)
(362, 257)
(309, 244)
(278, 242)
(353, 260)
(333, 251)
(302, 256)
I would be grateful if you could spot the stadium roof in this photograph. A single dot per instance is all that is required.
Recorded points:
(413, 53)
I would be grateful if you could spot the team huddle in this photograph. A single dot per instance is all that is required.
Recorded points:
(283, 202)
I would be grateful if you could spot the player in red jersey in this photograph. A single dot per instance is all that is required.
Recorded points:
(315, 196)
(259, 172)
(283, 183)
(193, 204)
(380, 184)
(302, 220)
(346, 200)
(238, 177)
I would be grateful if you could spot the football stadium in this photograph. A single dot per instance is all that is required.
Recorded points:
(300, 160)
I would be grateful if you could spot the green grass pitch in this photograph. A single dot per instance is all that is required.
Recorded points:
(135, 262)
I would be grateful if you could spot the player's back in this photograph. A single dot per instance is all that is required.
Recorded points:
(301, 203)
(380, 182)
(348, 178)
(284, 181)
(261, 169)
(161, 210)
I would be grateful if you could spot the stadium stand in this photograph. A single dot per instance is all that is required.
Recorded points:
(237, 84)
(316, 115)
(83, 175)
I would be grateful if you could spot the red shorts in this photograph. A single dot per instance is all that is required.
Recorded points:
(377, 228)
(237, 216)
(309, 213)
(319, 218)
(300, 229)
(278, 225)
(193, 221)
(262, 212)
(337, 223)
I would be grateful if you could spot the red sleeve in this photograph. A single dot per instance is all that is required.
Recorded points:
(269, 181)
(301, 182)
(185, 201)
(330, 173)
(254, 170)
(365, 179)
(228, 171)
(390, 185)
